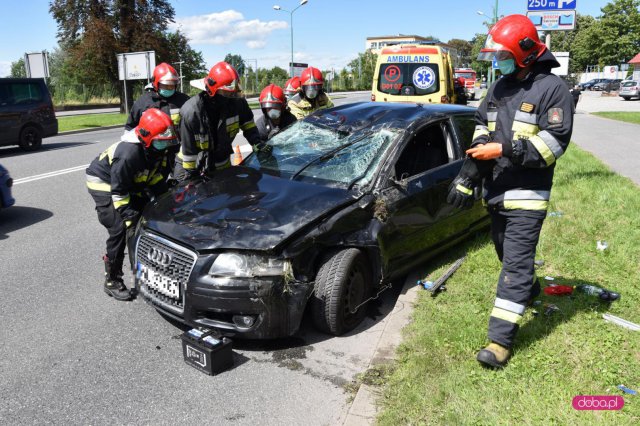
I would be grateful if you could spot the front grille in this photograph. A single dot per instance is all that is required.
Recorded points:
(163, 270)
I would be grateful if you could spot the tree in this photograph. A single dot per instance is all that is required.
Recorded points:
(621, 31)
(481, 67)
(463, 49)
(363, 68)
(94, 31)
(235, 61)
(193, 65)
(18, 69)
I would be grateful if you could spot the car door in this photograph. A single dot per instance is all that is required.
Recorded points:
(9, 117)
(419, 219)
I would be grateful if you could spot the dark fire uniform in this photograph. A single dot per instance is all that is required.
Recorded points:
(268, 129)
(209, 125)
(120, 181)
(533, 120)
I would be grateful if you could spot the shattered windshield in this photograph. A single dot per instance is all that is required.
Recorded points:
(308, 152)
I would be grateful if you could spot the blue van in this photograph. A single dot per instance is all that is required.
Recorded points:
(26, 113)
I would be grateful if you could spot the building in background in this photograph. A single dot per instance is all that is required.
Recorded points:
(378, 42)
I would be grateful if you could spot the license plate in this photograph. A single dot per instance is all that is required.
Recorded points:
(159, 282)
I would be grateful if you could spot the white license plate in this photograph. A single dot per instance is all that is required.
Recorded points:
(159, 282)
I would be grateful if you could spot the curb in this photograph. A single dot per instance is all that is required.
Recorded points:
(364, 410)
(91, 129)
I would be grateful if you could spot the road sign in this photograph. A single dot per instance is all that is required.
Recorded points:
(553, 20)
(494, 64)
(551, 4)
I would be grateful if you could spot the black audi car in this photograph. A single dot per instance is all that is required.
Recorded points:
(345, 201)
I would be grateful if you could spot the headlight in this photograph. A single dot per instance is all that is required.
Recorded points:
(248, 265)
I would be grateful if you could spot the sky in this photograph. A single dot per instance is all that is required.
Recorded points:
(326, 33)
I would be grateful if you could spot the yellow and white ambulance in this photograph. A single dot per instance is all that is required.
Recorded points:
(416, 73)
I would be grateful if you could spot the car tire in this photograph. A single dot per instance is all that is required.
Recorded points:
(343, 282)
(30, 138)
(626, 98)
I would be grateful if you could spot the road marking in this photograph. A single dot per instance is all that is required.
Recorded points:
(50, 174)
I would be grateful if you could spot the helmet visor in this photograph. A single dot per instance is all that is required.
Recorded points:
(168, 135)
(488, 52)
(267, 105)
(231, 90)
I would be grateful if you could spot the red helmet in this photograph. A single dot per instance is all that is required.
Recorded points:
(311, 77)
(155, 125)
(165, 74)
(223, 79)
(517, 35)
(272, 96)
(292, 86)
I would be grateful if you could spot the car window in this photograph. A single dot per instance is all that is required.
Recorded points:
(628, 84)
(25, 93)
(409, 79)
(465, 125)
(309, 152)
(425, 151)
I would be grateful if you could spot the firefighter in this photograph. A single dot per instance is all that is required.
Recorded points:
(160, 93)
(312, 96)
(275, 115)
(121, 179)
(210, 121)
(523, 126)
(292, 87)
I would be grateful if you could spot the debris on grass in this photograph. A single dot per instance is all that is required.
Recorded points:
(621, 322)
(625, 389)
(555, 214)
(602, 245)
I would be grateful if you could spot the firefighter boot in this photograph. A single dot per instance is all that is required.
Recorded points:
(113, 284)
(494, 355)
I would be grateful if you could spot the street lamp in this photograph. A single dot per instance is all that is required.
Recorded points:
(492, 76)
(276, 7)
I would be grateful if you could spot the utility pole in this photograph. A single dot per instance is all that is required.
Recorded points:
(180, 71)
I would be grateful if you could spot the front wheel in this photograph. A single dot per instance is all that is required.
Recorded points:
(30, 138)
(626, 98)
(343, 283)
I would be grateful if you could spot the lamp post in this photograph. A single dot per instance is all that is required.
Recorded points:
(492, 76)
(276, 7)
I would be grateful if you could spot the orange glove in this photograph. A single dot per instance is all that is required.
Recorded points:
(488, 151)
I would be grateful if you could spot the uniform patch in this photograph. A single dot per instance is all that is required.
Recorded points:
(527, 107)
(554, 116)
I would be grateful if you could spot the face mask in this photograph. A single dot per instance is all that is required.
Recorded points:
(274, 114)
(311, 92)
(161, 145)
(508, 66)
(166, 93)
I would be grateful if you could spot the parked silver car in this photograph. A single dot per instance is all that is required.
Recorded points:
(629, 89)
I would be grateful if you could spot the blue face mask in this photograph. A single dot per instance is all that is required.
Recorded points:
(161, 145)
(166, 93)
(508, 66)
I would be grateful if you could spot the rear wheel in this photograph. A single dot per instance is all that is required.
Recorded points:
(343, 283)
(30, 138)
(626, 98)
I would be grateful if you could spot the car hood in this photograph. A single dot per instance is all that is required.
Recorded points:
(242, 208)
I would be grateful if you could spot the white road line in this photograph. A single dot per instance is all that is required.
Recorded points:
(50, 174)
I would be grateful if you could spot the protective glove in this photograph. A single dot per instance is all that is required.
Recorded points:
(461, 193)
(262, 147)
(487, 151)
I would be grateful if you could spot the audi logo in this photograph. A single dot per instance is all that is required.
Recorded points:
(159, 257)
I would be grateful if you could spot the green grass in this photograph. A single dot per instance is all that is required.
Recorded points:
(572, 352)
(629, 117)
(88, 121)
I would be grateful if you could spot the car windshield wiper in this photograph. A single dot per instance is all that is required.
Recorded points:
(328, 155)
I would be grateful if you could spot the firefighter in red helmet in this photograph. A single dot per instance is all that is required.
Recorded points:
(311, 96)
(210, 121)
(292, 87)
(523, 126)
(119, 180)
(275, 114)
(162, 94)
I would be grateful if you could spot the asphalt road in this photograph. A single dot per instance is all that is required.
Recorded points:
(71, 355)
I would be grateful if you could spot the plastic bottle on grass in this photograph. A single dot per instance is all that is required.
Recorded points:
(602, 293)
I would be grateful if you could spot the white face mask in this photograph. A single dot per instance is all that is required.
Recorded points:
(274, 114)
(311, 91)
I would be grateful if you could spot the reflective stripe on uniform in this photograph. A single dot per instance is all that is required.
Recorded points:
(526, 194)
(526, 117)
(202, 142)
(522, 130)
(526, 205)
(510, 306)
(491, 125)
(155, 179)
(480, 131)
(492, 116)
(109, 152)
(96, 184)
(506, 315)
(120, 200)
(552, 143)
(543, 149)
(141, 178)
(188, 161)
(248, 125)
(464, 189)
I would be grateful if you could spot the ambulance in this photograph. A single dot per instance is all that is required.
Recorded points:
(416, 73)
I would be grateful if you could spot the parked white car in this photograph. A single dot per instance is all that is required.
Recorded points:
(629, 89)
